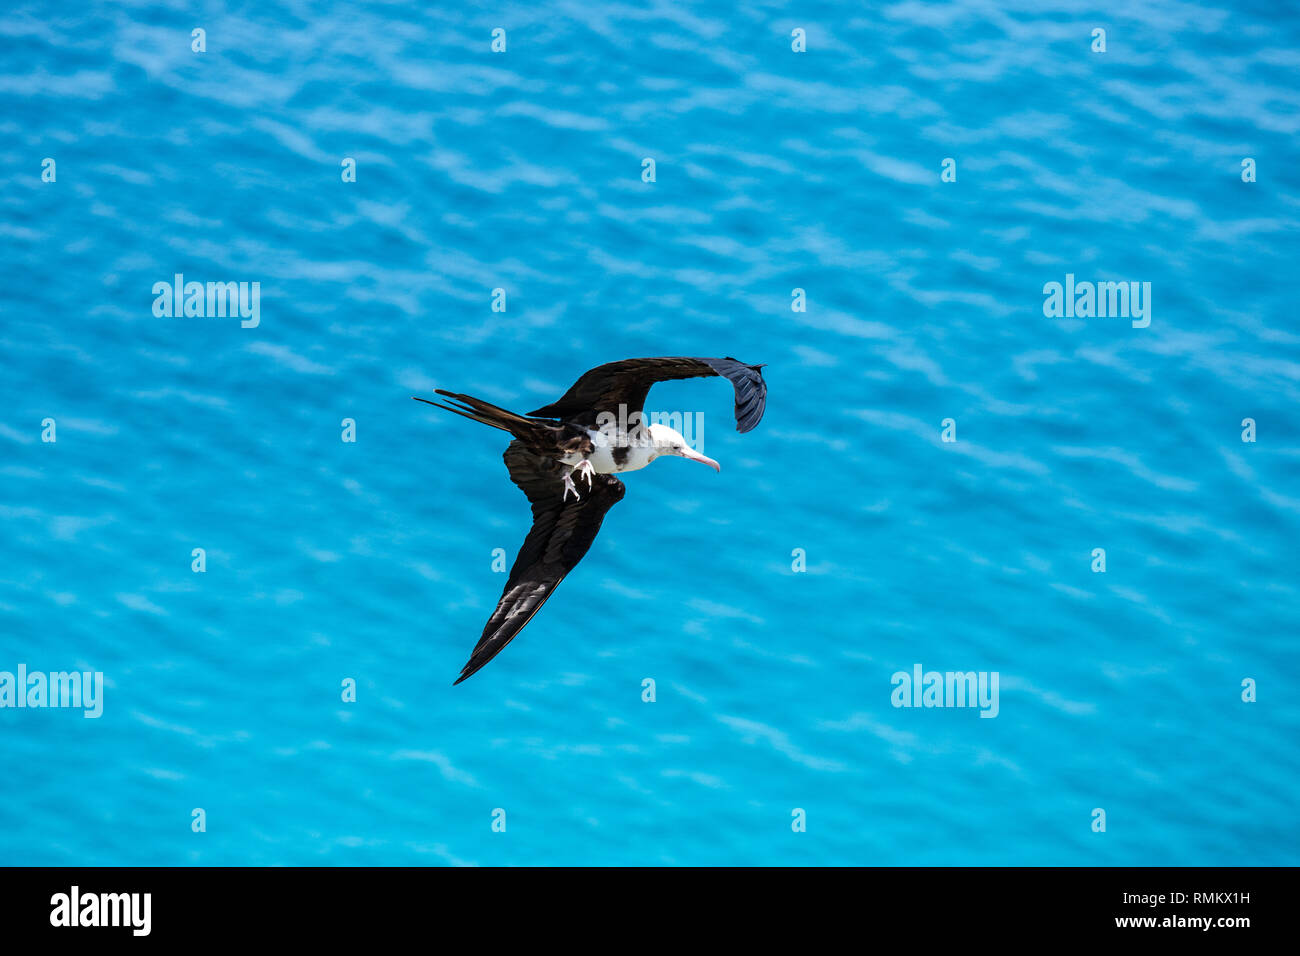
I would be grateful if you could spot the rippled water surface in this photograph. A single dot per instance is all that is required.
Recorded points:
(774, 170)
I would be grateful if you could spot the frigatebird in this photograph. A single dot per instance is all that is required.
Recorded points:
(595, 430)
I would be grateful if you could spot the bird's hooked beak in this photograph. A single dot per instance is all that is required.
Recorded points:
(694, 455)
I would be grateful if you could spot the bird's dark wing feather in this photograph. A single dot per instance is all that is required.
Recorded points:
(561, 534)
(606, 387)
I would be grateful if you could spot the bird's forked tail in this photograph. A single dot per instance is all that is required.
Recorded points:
(480, 411)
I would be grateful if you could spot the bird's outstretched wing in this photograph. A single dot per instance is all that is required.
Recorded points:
(627, 383)
(561, 534)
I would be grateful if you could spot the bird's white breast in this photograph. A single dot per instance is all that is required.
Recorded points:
(602, 454)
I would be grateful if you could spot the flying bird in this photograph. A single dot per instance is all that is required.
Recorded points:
(594, 431)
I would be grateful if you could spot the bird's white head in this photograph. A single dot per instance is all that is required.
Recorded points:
(669, 441)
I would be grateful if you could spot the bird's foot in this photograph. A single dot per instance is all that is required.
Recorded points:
(586, 470)
(570, 488)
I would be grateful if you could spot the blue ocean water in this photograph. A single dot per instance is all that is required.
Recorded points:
(775, 170)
